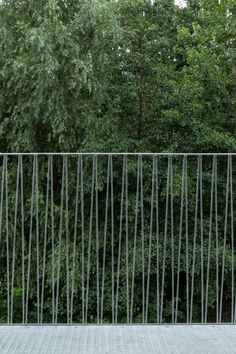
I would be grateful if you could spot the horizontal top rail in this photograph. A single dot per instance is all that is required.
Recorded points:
(118, 153)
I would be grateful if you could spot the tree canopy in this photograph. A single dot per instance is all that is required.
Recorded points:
(89, 74)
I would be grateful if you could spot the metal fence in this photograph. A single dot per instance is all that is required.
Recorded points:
(117, 238)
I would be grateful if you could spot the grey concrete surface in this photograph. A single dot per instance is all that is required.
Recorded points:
(176, 339)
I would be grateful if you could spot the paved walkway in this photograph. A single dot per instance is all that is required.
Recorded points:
(150, 339)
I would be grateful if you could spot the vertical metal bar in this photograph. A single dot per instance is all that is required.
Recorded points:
(120, 237)
(82, 236)
(194, 240)
(22, 239)
(172, 242)
(14, 241)
(7, 241)
(157, 241)
(2, 193)
(180, 240)
(225, 236)
(105, 236)
(150, 237)
(45, 242)
(59, 240)
(202, 241)
(37, 235)
(217, 243)
(127, 238)
(53, 239)
(89, 242)
(2, 197)
(142, 240)
(30, 240)
(235, 309)
(186, 230)
(67, 244)
(232, 239)
(97, 235)
(74, 242)
(209, 240)
(135, 240)
(165, 238)
(112, 245)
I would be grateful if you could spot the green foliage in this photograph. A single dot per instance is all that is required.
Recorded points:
(52, 60)
(109, 75)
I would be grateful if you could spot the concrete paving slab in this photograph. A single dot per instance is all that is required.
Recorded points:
(127, 339)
